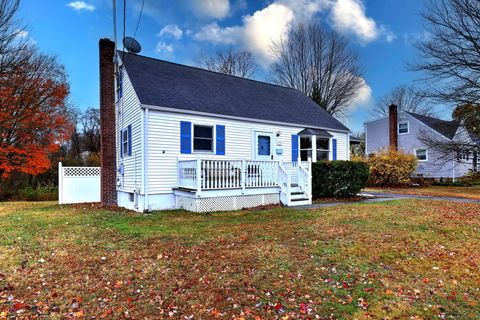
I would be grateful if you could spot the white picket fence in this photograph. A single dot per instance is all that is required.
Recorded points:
(78, 184)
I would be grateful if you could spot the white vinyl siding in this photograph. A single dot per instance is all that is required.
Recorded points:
(128, 112)
(164, 144)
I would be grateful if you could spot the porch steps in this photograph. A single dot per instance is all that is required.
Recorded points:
(298, 197)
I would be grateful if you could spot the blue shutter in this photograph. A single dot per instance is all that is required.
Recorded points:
(220, 139)
(129, 150)
(121, 143)
(294, 147)
(334, 147)
(185, 137)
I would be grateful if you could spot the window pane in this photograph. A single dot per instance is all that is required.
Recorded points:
(421, 154)
(323, 144)
(305, 142)
(203, 132)
(202, 144)
(322, 155)
(305, 154)
(263, 146)
(403, 127)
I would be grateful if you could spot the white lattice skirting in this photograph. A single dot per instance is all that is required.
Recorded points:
(226, 203)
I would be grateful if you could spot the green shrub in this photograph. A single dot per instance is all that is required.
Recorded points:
(40, 193)
(391, 168)
(338, 179)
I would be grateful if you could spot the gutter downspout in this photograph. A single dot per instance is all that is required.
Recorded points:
(453, 168)
(145, 161)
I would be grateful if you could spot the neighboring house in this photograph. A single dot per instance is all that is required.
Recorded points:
(204, 141)
(403, 131)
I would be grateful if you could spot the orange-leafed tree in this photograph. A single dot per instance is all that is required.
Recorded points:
(34, 118)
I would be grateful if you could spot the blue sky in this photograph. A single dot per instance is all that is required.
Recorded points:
(381, 31)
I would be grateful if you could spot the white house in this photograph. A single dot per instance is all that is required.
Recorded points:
(404, 131)
(204, 141)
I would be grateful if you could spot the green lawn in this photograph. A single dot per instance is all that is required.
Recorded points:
(472, 192)
(409, 259)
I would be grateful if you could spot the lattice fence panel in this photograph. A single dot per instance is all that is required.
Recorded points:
(81, 171)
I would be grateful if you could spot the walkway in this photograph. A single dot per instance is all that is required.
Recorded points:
(381, 196)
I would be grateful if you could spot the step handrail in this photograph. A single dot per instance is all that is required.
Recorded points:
(305, 178)
(285, 181)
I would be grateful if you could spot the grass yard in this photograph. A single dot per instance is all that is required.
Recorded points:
(406, 259)
(472, 192)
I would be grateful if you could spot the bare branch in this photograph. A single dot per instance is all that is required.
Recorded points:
(320, 64)
(406, 98)
(235, 63)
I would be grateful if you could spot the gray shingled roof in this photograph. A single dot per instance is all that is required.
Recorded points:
(166, 84)
(446, 128)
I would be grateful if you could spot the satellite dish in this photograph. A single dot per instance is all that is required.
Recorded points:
(131, 45)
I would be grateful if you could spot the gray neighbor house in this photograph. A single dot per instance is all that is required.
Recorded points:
(403, 131)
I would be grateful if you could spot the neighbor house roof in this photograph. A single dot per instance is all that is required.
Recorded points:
(170, 85)
(445, 128)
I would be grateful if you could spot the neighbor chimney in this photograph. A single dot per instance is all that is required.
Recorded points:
(108, 188)
(393, 120)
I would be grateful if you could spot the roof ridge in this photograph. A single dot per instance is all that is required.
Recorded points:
(430, 117)
(211, 71)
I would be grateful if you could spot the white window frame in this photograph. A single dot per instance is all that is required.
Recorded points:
(329, 151)
(426, 154)
(124, 142)
(300, 146)
(408, 127)
(214, 139)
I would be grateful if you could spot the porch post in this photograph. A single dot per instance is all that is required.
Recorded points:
(242, 176)
(310, 179)
(198, 176)
(314, 148)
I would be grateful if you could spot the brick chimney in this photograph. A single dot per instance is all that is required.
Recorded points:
(393, 121)
(108, 179)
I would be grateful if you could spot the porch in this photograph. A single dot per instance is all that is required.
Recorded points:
(218, 185)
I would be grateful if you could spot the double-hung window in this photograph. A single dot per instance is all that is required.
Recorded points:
(403, 127)
(202, 138)
(305, 147)
(323, 149)
(421, 154)
(126, 141)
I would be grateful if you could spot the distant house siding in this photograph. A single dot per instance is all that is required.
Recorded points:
(377, 138)
(128, 112)
(164, 144)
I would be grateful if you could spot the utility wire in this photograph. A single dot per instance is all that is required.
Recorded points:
(139, 18)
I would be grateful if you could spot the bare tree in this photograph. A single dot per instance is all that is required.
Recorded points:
(450, 53)
(229, 61)
(91, 129)
(320, 64)
(406, 98)
(450, 58)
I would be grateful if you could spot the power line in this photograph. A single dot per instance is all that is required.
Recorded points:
(138, 21)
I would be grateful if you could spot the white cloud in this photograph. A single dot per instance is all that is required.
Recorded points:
(163, 48)
(349, 16)
(21, 34)
(364, 96)
(256, 34)
(217, 9)
(272, 23)
(81, 6)
(171, 30)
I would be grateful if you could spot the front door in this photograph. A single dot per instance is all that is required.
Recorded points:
(263, 145)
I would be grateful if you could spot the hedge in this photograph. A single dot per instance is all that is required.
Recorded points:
(338, 179)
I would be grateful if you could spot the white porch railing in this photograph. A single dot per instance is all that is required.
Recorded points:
(208, 174)
(285, 182)
(204, 174)
(305, 178)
